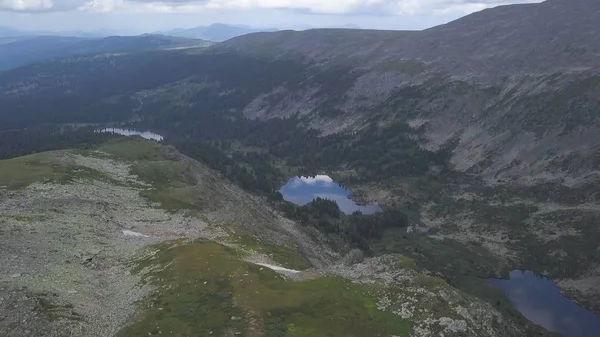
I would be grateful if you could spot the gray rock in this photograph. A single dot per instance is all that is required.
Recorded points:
(353, 257)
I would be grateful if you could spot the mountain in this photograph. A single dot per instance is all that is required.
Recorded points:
(137, 226)
(216, 32)
(346, 26)
(7, 32)
(30, 49)
(484, 130)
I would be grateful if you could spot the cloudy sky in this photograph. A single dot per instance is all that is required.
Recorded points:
(137, 16)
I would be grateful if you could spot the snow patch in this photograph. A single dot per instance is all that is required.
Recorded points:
(136, 234)
(277, 268)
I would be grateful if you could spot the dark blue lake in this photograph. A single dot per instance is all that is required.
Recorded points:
(540, 300)
(302, 190)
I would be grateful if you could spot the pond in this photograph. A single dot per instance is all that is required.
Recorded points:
(541, 301)
(302, 190)
(131, 132)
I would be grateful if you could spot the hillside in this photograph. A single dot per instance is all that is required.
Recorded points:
(30, 49)
(484, 130)
(553, 36)
(131, 238)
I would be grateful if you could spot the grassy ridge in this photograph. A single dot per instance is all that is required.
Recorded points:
(205, 289)
(19, 172)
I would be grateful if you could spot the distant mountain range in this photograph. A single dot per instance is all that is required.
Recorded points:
(219, 32)
(18, 47)
(6, 32)
(11, 32)
(216, 32)
(17, 51)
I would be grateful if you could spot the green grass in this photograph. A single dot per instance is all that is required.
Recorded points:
(19, 172)
(172, 199)
(133, 149)
(159, 173)
(202, 285)
(288, 257)
(170, 185)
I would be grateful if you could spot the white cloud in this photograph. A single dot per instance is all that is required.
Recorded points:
(101, 6)
(334, 7)
(360, 7)
(26, 5)
(318, 178)
(299, 181)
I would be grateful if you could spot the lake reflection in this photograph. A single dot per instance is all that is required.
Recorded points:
(302, 190)
(131, 132)
(540, 300)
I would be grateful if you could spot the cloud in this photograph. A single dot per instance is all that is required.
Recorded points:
(336, 7)
(41, 6)
(326, 180)
(322, 180)
(101, 6)
(332, 7)
(26, 5)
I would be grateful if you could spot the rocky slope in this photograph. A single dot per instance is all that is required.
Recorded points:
(134, 239)
(510, 94)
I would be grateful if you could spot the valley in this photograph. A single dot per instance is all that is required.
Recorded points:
(485, 131)
(134, 234)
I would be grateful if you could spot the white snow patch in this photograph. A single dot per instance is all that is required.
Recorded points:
(136, 234)
(277, 268)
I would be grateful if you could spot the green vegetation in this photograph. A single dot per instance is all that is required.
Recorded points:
(204, 289)
(356, 229)
(170, 182)
(250, 168)
(133, 149)
(202, 113)
(42, 167)
(22, 142)
(288, 256)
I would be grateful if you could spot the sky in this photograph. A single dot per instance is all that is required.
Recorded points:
(139, 16)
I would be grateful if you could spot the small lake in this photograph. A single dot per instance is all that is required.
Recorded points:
(541, 301)
(302, 190)
(131, 132)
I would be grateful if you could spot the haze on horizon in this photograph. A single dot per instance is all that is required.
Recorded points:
(141, 16)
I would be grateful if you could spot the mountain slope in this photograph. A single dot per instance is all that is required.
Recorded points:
(37, 48)
(556, 35)
(131, 238)
(484, 129)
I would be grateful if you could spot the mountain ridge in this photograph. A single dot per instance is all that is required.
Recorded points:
(145, 231)
(447, 48)
(486, 134)
(32, 49)
(216, 32)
